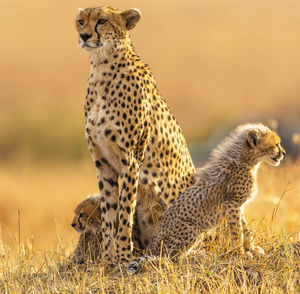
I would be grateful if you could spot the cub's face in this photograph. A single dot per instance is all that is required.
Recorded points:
(266, 146)
(87, 215)
(104, 26)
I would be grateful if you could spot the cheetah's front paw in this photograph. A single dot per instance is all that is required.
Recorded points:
(257, 251)
(136, 265)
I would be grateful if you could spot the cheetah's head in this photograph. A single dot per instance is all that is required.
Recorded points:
(104, 26)
(87, 215)
(264, 145)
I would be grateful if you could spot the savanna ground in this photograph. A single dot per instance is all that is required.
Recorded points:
(217, 63)
(38, 236)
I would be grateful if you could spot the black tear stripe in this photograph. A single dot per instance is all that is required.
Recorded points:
(98, 35)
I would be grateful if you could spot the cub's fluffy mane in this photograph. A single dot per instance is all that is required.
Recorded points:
(231, 149)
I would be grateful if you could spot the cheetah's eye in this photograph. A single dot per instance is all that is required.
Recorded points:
(101, 21)
(80, 22)
(81, 214)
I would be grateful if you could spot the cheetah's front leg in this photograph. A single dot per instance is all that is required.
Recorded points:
(109, 191)
(235, 224)
(248, 240)
(127, 202)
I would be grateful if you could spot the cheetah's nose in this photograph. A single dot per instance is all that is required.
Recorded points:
(85, 36)
(73, 225)
(284, 153)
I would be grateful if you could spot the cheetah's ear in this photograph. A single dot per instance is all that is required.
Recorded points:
(80, 10)
(131, 17)
(252, 138)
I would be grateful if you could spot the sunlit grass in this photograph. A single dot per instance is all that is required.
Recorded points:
(46, 194)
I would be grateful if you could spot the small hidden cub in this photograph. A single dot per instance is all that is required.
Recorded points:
(87, 222)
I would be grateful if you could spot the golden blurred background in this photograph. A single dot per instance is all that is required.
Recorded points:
(217, 63)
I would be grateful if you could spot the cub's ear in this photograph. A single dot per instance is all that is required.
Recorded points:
(95, 199)
(80, 10)
(131, 17)
(252, 138)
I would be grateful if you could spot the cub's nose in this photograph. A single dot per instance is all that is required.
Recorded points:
(85, 36)
(73, 225)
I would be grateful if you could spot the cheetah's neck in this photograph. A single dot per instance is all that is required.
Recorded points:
(111, 53)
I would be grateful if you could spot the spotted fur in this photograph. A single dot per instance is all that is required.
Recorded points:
(223, 187)
(87, 222)
(134, 140)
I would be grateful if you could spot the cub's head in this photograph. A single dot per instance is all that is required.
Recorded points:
(264, 144)
(87, 215)
(104, 26)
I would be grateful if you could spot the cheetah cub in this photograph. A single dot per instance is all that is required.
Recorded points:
(223, 186)
(87, 222)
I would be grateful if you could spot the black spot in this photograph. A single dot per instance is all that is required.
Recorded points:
(129, 196)
(111, 182)
(97, 163)
(107, 132)
(104, 161)
(100, 184)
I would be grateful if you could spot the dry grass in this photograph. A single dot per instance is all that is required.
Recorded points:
(45, 195)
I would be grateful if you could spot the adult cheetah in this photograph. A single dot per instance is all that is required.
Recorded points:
(222, 188)
(137, 145)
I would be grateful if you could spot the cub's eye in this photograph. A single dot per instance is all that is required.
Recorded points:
(80, 22)
(101, 21)
(81, 214)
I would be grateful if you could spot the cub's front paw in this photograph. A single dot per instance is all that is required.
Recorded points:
(257, 251)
